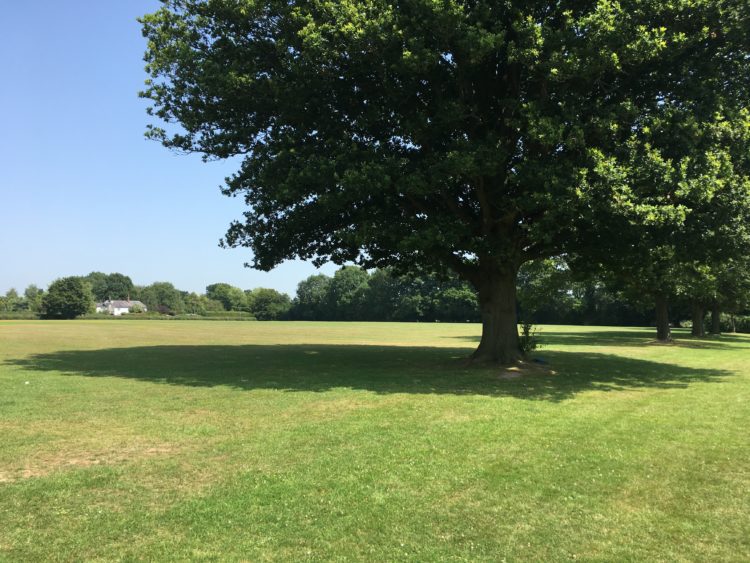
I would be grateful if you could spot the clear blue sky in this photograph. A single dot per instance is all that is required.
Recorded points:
(80, 188)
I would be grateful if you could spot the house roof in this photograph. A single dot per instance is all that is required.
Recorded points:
(121, 304)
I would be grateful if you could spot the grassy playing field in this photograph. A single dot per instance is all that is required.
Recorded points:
(293, 441)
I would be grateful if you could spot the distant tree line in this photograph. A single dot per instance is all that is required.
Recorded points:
(354, 294)
(549, 292)
(74, 296)
(30, 300)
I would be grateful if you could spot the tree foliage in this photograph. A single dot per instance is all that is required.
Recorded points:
(355, 294)
(697, 170)
(310, 301)
(346, 294)
(67, 298)
(10, 301)
(162, 297)
(232, 298)
(268, 304)
(110, 286)
(196, 304)
(461, 135)
(33, 296)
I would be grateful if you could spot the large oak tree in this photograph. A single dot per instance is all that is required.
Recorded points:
(444, 134)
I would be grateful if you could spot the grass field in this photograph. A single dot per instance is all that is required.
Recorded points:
(353, 441)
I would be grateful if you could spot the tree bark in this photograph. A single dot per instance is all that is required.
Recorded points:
(497, 303)
(663, 332)
(698, 314)
(715, 319)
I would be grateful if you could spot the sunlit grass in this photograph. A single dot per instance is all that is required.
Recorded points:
(288, 441)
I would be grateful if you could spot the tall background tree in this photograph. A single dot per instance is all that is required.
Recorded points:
(162, 297)
(443, 135)
(110, 286)
(34, 296)
(346, 295)
(310, 301)
(11, 301)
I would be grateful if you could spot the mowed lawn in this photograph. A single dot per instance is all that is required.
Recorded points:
(149, 440)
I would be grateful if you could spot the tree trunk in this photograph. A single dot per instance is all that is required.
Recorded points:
(715, 319)
(733, 327)
(497, 303)
(698, 315)
(663, 332)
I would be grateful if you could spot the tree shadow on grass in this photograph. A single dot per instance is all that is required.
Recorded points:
(392, 369)
(643, 337)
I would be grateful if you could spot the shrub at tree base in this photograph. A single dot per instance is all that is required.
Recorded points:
(18, 315)
(528, 339)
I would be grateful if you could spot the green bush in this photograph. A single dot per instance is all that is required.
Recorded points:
(94, 316)
(528, 340)
(228, 315)
(216, 316)
(18, 315)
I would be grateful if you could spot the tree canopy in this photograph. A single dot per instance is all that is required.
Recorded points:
(67, 298)
(232, 298)
(268, 304)
(110, 286)
(468, 135)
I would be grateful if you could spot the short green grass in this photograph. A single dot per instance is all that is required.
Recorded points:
(354, 441)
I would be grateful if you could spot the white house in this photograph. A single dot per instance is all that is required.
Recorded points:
(118, 308)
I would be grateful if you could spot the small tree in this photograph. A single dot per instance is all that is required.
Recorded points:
(268, 304)
(346, 293)
(201, 304)
(162, 297)
(232, 298)
(12, 301)
(310, 302)
(34, 297)
(67, 298)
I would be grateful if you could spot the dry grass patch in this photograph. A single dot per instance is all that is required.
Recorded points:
(527, 369)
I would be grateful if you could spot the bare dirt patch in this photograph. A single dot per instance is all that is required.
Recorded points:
(526, 369)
